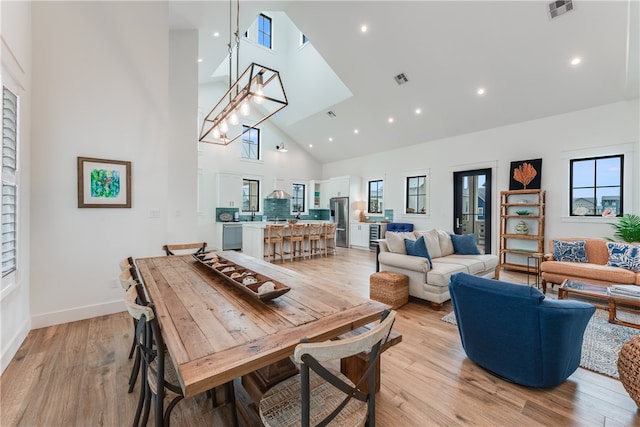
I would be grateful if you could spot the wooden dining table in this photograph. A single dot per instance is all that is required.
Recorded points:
(215, 332)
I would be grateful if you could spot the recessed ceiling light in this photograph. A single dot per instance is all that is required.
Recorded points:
(418, 111)
(216, 34)
(576, 61)
(390, 119)
(199, 60)
(364, 28)
(481, 91)
(356, 131)
(330, 139)
(310, 145)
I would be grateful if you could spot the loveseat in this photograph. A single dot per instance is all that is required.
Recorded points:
(516, 333)
(586, 262)
(429, 275)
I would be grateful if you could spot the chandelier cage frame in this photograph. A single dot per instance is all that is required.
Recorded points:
(257, 83)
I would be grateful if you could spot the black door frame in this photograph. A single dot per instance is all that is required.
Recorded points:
(457, 202)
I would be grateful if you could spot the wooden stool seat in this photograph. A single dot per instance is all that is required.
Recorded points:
(313, 237)
(274, 235)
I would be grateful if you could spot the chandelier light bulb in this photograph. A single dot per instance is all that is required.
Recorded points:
(224, 127)
(216, 133)
(245, 110)
(259, 94)
(234, 119)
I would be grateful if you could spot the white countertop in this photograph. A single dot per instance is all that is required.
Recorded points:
(263, 224)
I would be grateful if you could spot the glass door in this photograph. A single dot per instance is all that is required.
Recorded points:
(472, 206)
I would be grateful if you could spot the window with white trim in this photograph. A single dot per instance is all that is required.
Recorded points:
(596, 186)
(265, 31)
(374, 197)
(250, 195)
(416, 196)
(250, 143)
(298, 198)
(9, 182)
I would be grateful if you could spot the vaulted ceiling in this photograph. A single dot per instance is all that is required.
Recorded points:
(448, 50)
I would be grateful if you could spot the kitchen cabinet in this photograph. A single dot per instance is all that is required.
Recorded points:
(521, 228)
(229, 190)
(359, 235)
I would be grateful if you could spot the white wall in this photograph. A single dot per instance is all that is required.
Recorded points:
(15, 29)
(596, 131)
(101, 89)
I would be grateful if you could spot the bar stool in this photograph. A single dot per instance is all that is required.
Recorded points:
(296, 240)
(274, 235)
(314, 236)
(329, 235)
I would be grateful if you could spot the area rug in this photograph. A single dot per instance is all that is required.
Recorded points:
(601, 344)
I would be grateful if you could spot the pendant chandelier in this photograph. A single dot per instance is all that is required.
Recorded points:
(256, 95)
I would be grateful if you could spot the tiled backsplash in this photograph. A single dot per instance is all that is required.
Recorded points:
(279, 208)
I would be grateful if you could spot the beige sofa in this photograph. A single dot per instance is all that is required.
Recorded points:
(595, 271)
(426, 282)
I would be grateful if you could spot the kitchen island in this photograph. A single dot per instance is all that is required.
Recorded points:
(253, 236)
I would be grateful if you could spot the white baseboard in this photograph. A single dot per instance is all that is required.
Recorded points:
(9, 351)
(78, 313)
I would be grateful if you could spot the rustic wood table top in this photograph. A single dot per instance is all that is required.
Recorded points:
(215, 332)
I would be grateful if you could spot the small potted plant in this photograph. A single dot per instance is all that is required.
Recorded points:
(627, 229)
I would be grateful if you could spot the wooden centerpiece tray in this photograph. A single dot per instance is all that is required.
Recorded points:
(242, 278)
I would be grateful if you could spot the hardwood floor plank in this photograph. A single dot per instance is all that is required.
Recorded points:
(76, 374)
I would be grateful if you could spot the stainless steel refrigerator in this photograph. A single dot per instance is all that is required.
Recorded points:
(339, 207)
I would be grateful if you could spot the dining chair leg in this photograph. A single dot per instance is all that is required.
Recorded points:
(135, 370)
(232, 403)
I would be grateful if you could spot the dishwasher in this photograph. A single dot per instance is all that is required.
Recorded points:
(232, 236)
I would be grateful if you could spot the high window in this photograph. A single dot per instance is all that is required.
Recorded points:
(416, 194)
(250, 195)
(264, 31)
(374, 199)
(596, 186)
(298, 194)
(9, 183)
(250, 143)
(303, 39)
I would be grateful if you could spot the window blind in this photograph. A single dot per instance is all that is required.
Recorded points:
(9, 187)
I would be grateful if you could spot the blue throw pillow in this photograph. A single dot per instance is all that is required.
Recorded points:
(465, 244)
(570, 251)
(418, 248)
(623, 255)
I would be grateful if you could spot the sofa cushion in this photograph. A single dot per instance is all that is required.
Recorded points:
(465, 244)
(624, 255)
(588, 271)
(441, 272)
(417, 248)
(432, 242)
(570, 251)
(469, 264)
(446, 247)
(597, 252)
(395, 241)
(487, 262)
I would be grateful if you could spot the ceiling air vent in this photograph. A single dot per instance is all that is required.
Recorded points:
(331, 114)
(559, 7)
(401, 79)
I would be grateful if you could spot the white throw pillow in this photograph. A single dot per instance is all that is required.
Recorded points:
(432, 241)
(446, 246)
(395, 241)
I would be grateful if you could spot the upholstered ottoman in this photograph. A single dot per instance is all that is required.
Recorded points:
(390, 288)
(629, 367)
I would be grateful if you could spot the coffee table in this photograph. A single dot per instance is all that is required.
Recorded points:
(601, 292)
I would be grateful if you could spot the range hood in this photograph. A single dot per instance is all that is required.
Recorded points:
(279, 194)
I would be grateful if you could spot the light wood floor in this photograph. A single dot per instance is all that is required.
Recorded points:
(76, 374)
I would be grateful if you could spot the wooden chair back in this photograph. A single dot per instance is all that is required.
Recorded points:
(296, 232)
(170, 249)
(274, 233)
(315, 231)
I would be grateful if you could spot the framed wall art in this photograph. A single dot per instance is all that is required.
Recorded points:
(104, 183)
(525, 175)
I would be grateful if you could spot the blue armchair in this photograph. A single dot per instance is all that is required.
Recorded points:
(514, 332)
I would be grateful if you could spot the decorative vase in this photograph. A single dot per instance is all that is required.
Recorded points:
(521, 228)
